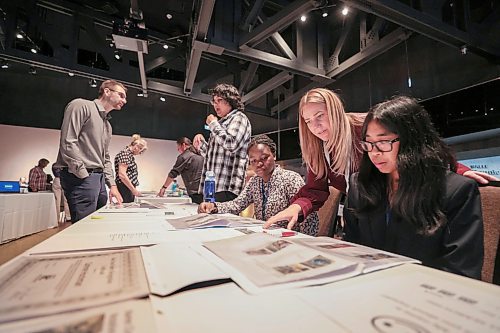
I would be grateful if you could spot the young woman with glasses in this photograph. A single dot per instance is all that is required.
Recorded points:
(331, 149)
(270, 190)
(406, 198)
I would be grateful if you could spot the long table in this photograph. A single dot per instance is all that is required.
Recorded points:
(26, 213)
(407, 298)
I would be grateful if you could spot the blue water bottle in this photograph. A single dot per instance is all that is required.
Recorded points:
(209, 188)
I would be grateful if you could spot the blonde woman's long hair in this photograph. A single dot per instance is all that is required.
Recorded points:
(340, 146)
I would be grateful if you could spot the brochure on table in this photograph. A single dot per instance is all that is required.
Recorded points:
(259, 262)
(212, 221)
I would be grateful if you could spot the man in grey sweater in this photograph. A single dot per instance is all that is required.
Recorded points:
(83, 150)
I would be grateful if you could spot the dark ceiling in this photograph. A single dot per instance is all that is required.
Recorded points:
(260, 46)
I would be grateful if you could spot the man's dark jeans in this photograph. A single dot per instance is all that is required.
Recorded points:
(84, 196)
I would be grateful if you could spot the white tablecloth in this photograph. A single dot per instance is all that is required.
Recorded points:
(27, 213)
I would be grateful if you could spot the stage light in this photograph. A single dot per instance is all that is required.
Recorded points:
(345, 11)
(93, 83)
(303, 18)
(162, 99)
(5, 64)
(32, 70)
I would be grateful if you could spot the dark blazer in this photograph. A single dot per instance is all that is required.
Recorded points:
(456, 247)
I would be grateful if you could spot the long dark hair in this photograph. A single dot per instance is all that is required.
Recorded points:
(423, 160)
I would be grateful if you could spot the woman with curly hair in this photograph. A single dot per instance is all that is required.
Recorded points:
(406, 198)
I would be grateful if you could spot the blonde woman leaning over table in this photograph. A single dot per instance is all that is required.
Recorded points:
(270, 190)
(126, 168)
(330, 144)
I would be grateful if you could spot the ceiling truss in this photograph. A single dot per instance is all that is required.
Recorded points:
(269, 52)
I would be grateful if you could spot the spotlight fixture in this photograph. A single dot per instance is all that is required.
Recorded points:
(165, 46)
(169, 16)
(5, 64)
(118, 55)
(34, 50)
(463, 49)
(345, 11)
(162, 99)
(71, 74)
(93, 83)
(19, 35)
(325, 13)
(32, 70)
(140, 94)
(303, 18)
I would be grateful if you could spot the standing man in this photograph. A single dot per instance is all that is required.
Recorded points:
(189, 165)
(38, 178)
(83, 150)
(226, 151)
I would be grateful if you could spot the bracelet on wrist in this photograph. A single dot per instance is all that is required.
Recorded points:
(164, 187)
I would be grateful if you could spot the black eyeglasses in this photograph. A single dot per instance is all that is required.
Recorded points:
(122, 95)
(217, 100)
(382, 145)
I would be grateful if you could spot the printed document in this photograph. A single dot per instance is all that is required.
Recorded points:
(31, 286)
(205, 220)
(259, 262)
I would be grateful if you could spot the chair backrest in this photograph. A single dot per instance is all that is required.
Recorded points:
(328, 212)
(490, 201)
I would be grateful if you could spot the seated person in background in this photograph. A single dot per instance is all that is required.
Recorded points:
(189, 164)
(126, 168)
(38, 178)
(405, 199)
(271, 189)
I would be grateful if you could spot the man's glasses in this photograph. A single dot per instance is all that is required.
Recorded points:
(382, 145)
(122, 95)
(217, 100)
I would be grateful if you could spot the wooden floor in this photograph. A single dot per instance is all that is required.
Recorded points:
(16, 247)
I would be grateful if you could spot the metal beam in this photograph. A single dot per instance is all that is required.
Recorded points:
(178, 92)
(333, 61)
(267, 86)
(427, 25)
(264, 58)
(250, 74)
(199, 33)
(370, 52)
(142, 73)
(159, 61)
(252, 15)
(295, 98)
(277, 22)
(279, 42)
